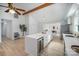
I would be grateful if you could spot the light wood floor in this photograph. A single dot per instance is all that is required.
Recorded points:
(10, 47)
(16, 48)
(55, 48)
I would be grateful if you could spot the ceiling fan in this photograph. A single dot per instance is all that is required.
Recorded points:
(13, 9)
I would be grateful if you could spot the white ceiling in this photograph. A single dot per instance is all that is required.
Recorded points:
(25, 6)
(74, 9)
(53, 13)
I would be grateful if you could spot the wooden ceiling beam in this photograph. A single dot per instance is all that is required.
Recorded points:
(38, 8)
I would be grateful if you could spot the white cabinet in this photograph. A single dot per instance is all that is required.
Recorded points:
(47, 39)
(31, 46)
(34, 44)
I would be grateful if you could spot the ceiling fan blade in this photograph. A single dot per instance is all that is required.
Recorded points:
(11, 7)
(20, 9)
(17, 12)
(3, 6)
(7, 10)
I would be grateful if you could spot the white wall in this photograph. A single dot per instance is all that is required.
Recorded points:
(72, 24)
(51, 14)
(9, 29)
(27, 23)
(33, 25)
(15, 22)
(49, 27)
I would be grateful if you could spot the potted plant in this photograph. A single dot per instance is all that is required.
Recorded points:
(23, 28)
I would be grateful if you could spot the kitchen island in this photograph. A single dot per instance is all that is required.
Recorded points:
(35, 43)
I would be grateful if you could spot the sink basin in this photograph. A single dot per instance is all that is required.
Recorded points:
(75, 48)
(69, 36)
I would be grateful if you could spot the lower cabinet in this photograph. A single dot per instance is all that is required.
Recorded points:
(47, 39)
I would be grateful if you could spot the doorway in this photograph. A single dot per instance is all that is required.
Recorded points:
(6, 29)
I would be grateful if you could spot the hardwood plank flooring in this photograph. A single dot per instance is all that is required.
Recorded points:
(55, 48)
(10, 47)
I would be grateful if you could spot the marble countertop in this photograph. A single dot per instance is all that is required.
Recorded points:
(35, 36)
(39, 35)
(69, 41)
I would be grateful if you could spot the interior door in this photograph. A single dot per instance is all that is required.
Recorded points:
(3, 29)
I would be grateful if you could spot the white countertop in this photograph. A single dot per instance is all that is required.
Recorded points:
(69, 41)
(36, 36)
(39, 35)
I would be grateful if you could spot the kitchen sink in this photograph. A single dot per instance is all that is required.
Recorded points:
(69, 36)
(75, 48)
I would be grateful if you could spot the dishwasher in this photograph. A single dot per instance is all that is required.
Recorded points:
(40, 45)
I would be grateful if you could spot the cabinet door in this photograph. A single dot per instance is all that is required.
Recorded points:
(45, 41)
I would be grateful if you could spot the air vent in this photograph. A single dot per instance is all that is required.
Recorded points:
(16, 16)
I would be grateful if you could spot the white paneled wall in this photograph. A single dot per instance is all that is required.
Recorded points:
(33, 25)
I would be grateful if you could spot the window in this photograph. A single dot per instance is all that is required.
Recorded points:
(76, 24)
